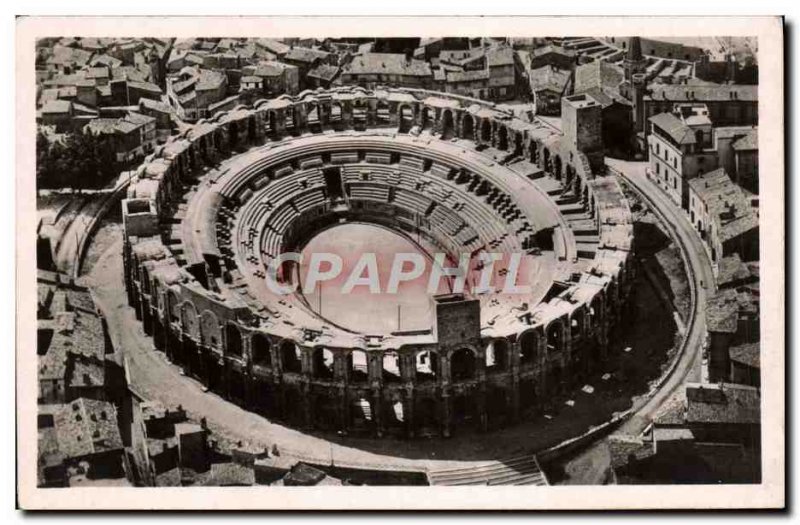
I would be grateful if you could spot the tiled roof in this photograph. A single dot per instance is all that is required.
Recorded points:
(674, 127)
(387, 64)
(57, 106)
(726, 203)
(305, 54)
(731, 269)
(324, 72)
(748, 354)
(597, 74)
(723, 403)
(87, 426)
(549, 78)
(748, 142)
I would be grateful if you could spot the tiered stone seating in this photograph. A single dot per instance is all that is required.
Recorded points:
(523, 470)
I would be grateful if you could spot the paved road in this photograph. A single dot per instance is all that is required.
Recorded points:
(688, 368)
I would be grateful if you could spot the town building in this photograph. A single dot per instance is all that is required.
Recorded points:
(680, 149)
(549, 85)
(80, 445)
(723, 215)
(374, 69)
(277, 78)
(194, 90)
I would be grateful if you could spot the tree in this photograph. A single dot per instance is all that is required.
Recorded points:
(82, 160)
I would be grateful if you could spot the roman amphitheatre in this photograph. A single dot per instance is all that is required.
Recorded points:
(209, 210)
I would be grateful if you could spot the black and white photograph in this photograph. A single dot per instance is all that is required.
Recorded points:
(269, 261)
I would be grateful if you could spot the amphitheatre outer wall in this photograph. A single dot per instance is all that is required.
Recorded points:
(262, 359)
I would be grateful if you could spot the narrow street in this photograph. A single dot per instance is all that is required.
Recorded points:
(688, 368)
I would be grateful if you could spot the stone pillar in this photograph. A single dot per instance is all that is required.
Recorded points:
(377, 411)
(280, 122)
(445, 411)
(408, 410)
(347, 114)
(372, 112)
(394, 115)
(301, 117)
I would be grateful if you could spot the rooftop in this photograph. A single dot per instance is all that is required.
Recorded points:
(674, 127)
(387, 64)
(723, 403)
(87, 426)
(714, 93)
(726, 203)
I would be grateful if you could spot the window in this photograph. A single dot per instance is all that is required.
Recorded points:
(658, 168)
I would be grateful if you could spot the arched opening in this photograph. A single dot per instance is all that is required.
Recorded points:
(486, 130)
(547, 166)
(322, 362)
(557, 171)
(272, 127)
(462, 365)
(394, 416)
(497, 356)
(262, 350)
(527, 394)
(426, 122)
(290, 357)
(357, 366)
(336, 113)
(533, 152)
(502, 138)
(233, 339)
(312, 116)
(497, 407)
(555, 337)
(290, 118)
(325, 416)
(382, 112)
(467, 127)
(391, 367)
(464, 410)
(518, 144)
(426, 415)
(293, 406)
(447, 124)
(427, 366)
(406, 119)
(576, 325)
(251, 129)
(360, 114)
(361, 416)
(528, 348)
(233, 135)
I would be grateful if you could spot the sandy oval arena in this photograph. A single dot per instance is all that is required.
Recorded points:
(208, 211)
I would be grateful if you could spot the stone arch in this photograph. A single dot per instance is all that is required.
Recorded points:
(498, 355)
(390, 367)
(447, 124)
(313, 114)
(382, 111)
(233, 340)
(486, 130)
(405, 114)
(210, 330)
(189, 321)
(467, 127)
(462, 364)
(358, 366)
(518, 144)
(261, 348)
(290, 357)
(555, 336)
(534, 152)
(173, 307)
(502, 138)
(362, 416)
(529, 347)
(322, 363)
(271, 122)
(336, 112)
(425, 119)
(427, 365)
